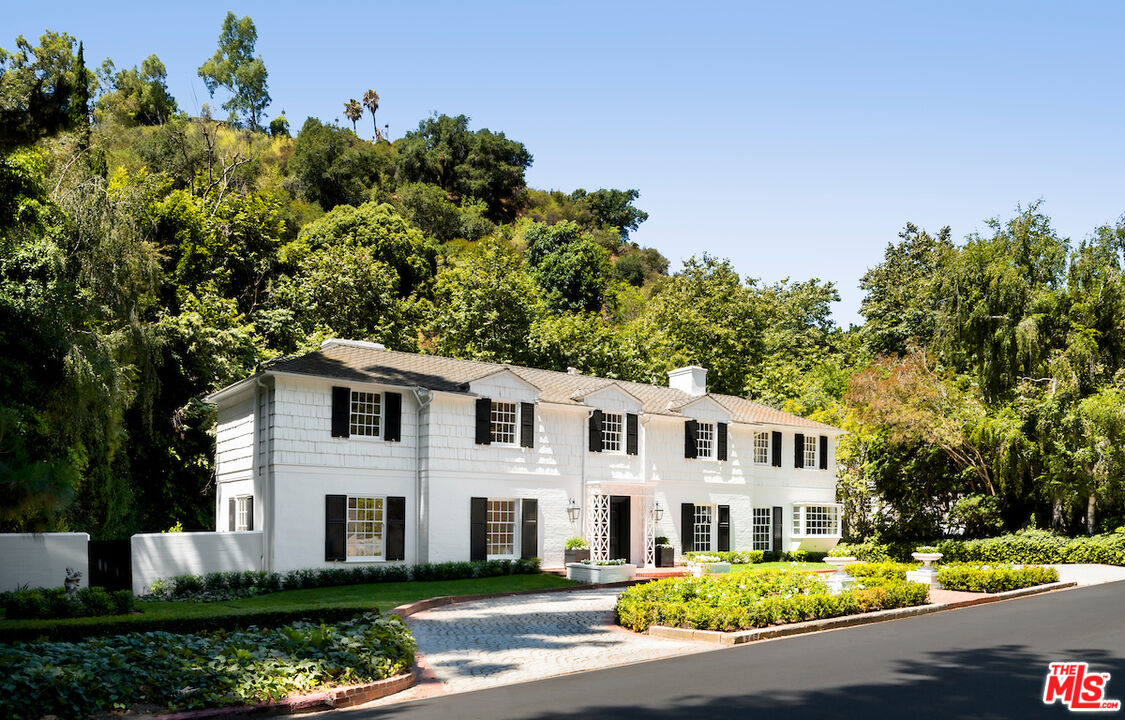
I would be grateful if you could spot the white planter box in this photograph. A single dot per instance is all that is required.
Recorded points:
(599, 573)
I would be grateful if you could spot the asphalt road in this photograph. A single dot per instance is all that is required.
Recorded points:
(988, 661)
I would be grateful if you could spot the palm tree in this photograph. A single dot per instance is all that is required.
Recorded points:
(371, 100)
(353, 110)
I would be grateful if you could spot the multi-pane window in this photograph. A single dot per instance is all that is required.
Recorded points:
(761, 449)
(611, 432)
(503, 422)
(501, 528)
(242, 512)
(366, 411)
(701, 539)
(365, 527)
(705, 440)
(816, 520)
(763, 528)
(810, 451)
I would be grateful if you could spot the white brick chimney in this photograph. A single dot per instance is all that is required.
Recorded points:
(691, 379)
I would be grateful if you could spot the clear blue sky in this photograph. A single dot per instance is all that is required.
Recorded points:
(794, 138)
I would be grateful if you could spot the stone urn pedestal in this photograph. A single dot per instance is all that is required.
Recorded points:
(926, 575)
(840, 580)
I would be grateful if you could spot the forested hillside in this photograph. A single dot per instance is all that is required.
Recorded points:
(148, 257)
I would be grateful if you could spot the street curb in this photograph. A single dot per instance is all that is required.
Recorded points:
(409, 609)
(809, 626)
(332, 699)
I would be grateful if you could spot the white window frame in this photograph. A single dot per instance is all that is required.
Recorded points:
(711, 513)
(494, 424)
(242, 512)
(802, 525)
(369, 425)
(767, 448)
(515, 531)
(811, 452)
(378, 524)
(705, 447)
(760, 542)
(613, 441)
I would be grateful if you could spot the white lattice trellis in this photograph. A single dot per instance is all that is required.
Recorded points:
(597, 524)
(649, 505)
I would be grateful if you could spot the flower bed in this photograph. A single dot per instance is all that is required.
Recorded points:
(184, 671)
(744, 601)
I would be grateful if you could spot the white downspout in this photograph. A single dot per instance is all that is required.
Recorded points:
(424, 398)
(261, 437)
(651, 516)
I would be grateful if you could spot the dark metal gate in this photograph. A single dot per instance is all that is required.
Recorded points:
(111, 564)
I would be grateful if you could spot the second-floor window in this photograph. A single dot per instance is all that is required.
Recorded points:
(761, 449)
(705, 440)
(366, 413)
(503, 423)
(611, 432)
(810, 451)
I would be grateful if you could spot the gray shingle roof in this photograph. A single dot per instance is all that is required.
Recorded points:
(364, 362)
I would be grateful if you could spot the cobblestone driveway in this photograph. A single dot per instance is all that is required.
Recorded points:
(485, 643)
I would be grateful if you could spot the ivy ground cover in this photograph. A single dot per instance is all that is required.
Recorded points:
(749, 600)
(184, 671)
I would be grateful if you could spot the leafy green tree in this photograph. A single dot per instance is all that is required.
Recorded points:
(43, 89)
(613, 208)
(331, 166)
(279, 127)
(235, 67)
(469, 165)
(638, 265)
(136, 96)
(486, 305)
(429, 207)
(570, 267)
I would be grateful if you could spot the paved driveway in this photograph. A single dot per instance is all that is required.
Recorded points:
(485, 643)
(1085, 574)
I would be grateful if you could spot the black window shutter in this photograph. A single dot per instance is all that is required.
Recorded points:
(335, 524)
(392, 403)
(721, 441)
(484, 421)
(529, 529)
(823, 452)
(777, 520)
(250, 513)
(631, 434)
(798, 450)
(232, 510)
(687, 527)
(478, 528)
(724, 528)
(527, 425)
(341, 411)
(776, 441)
(396, 528)
(691, 442)
(596, 431)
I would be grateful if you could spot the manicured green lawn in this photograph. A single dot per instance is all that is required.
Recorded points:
(382, 596)
(780, 566)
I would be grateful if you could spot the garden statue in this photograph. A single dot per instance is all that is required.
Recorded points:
(73, 580)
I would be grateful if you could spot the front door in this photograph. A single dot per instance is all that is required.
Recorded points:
(619, 527)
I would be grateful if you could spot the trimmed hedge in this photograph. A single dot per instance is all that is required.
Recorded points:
(880, 571)
(747, 557)
(179, 672)
(749, 600)
(993, 578)
(1023, 547)
(229, 585)
(51, 603)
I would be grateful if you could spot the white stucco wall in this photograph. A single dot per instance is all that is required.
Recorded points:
(160, 555)
(41, 560)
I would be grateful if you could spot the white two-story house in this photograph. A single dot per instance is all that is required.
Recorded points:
(359, 454)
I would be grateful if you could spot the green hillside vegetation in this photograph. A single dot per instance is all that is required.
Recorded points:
(148, 257)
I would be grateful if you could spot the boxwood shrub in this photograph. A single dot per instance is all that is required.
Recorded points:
(1023, 547)
(749, 600)
(186, 671)
(746, 557)
(993, 578)
(50, 603)
(228, 585)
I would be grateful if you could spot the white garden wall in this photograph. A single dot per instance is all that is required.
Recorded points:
(161, 555)
(41, 560)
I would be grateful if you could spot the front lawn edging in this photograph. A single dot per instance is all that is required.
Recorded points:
(405, 611)
(331, 699)
(809, 626)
